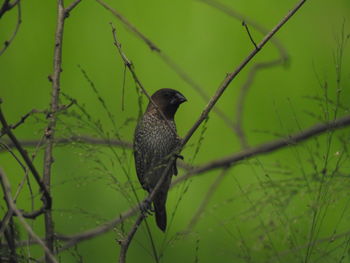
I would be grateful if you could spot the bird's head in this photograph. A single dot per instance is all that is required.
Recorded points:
(167, 100)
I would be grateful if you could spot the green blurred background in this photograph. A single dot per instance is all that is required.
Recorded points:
(274, 208)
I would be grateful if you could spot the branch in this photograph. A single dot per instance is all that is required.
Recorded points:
(8, 198)
(290, 140)
(232, 75)
(71, 7)
(283, 57)
(62, 14)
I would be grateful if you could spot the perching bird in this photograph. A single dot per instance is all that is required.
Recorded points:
(154, 142)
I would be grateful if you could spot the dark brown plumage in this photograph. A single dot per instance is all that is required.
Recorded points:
(154, 141)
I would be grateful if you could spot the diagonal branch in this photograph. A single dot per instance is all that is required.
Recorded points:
(290, 140)
(283, 58)
(207, 110)
(232, 75)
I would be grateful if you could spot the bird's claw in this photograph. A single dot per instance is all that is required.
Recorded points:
(146, 208)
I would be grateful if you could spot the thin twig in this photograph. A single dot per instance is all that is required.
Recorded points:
(18, 23)
(71, 7)
(248, 32)
(8, 197)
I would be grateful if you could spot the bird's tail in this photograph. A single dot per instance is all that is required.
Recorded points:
(160, 212)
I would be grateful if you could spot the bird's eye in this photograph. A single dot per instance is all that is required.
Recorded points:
(167, 95)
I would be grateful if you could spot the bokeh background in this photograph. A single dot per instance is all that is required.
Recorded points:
(289, 206)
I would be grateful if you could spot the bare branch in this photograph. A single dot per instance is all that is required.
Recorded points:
(71, 7)
(62, 14)
(283, 57)
(290, 140)
(232, 75)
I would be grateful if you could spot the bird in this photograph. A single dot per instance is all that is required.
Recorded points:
(155, 139)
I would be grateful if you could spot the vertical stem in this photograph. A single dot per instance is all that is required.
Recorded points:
(50, 130)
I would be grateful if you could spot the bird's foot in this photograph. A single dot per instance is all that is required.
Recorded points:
(178, 156)
(146, 208)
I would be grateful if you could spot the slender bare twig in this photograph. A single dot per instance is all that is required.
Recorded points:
(248, 32)
(62, 14)
(168, 61)
(8, 197)
(71, 7)
(8, 42)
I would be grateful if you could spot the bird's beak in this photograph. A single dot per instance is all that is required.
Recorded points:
(180, 98)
